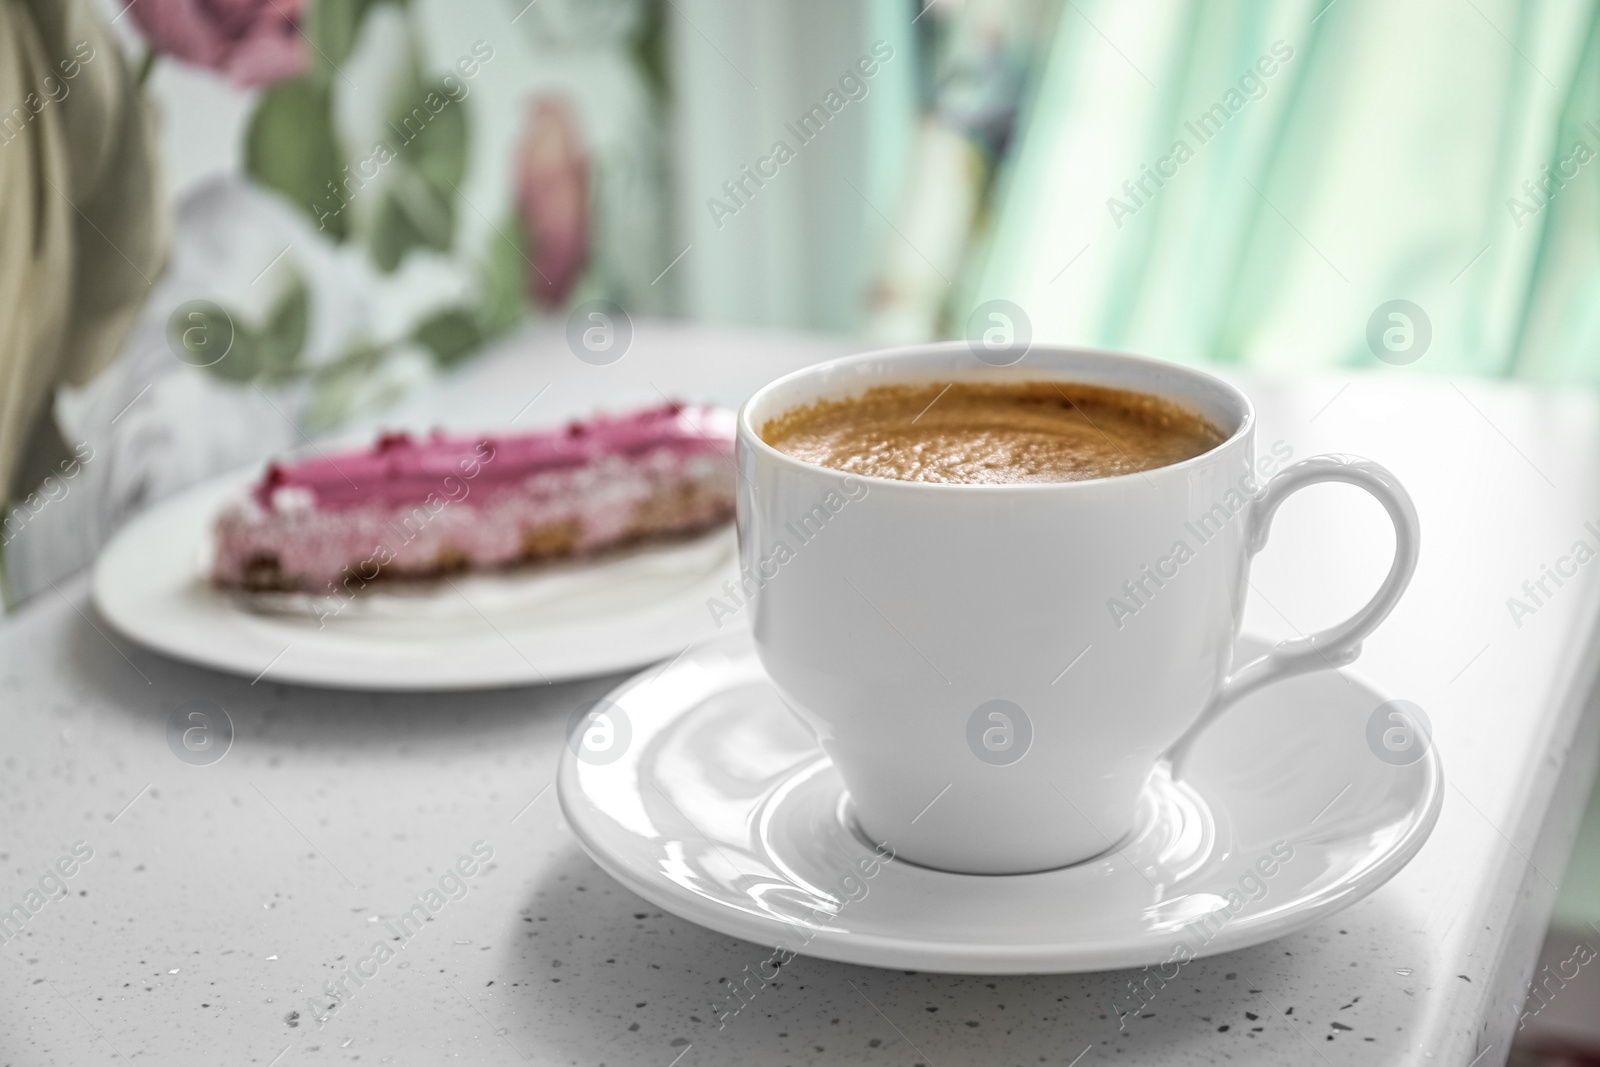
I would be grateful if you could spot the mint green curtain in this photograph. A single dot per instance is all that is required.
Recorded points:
(1291, 166)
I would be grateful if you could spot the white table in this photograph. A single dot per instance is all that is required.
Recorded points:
(219, 898)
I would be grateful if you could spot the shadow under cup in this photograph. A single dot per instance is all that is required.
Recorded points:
(996, 669)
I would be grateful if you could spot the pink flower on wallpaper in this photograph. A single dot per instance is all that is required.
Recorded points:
(552, 192)
(251, 42)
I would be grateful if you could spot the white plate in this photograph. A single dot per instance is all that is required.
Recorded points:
(472, 632)
(703, 794)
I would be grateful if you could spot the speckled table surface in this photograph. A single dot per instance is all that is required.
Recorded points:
(207, 906)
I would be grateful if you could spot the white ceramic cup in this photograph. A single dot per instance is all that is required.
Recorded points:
(996, 670)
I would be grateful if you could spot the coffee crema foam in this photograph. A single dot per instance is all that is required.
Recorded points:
(987, 433)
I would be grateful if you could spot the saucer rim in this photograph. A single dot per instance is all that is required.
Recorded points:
(1056, 957)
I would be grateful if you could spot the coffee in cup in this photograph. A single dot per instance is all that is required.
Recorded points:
(993, 433)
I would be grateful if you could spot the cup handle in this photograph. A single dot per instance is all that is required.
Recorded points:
(1339, 645)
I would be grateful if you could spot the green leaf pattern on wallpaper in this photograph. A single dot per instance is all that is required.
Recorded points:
(269, 353)
(430, 159)
(456, 332)
(336, 24)
(414, 169)
(291, 146)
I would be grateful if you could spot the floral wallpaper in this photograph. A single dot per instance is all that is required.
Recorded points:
(393, 194)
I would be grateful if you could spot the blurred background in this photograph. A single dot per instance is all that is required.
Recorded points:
(358, 200)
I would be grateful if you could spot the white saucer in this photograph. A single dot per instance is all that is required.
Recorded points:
(474, 632)
(704, 795)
